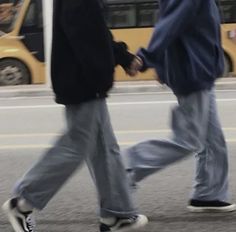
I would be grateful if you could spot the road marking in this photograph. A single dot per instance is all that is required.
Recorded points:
(30, 107)
(24, 146)
(118, 132)
(160, 102)
(130, 143)
(29, 135)
(160, 131)
(164, 92)
(46, 146)
(110, 94)
(109, 104)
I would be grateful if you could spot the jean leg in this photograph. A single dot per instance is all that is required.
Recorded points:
(107, 169)
(48, 175)
(188, 138)
(211, 181)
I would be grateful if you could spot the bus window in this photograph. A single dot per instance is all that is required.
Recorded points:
(227, 10)
(122, 16)
(30, 18)
(147, 14)
(32, 30)
(33, 20)
(9, 10)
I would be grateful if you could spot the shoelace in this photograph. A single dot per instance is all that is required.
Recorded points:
(133, 218)
(30, 223)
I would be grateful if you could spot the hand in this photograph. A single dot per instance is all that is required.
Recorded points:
(135, 66)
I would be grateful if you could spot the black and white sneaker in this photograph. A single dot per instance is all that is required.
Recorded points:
(20, 221)
(197, 206)
(125, 224)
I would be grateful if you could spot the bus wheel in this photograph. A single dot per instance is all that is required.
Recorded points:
(13, 72)
(227, 64)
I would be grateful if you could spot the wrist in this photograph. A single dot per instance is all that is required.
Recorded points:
(139, 61)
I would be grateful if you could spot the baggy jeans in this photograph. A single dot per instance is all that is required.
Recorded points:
(89, 137)
(196, 130)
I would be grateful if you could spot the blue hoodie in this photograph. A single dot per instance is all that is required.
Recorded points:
(185, 48)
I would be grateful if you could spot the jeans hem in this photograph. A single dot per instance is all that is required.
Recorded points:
(29, 200)
(111, 213)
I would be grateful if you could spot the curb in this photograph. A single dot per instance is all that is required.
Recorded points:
(154, 86)
(119, 88)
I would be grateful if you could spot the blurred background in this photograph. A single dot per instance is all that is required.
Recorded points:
(25, 35)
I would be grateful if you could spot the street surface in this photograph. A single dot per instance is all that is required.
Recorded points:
(31, 125)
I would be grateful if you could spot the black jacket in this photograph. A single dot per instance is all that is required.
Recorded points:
(83, 52)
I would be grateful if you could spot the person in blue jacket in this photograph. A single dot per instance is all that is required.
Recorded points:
(185, 50)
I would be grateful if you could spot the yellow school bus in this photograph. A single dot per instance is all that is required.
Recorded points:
(132, 21)
(21, 42)
(22, 59)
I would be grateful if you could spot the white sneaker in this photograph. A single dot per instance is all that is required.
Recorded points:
(20, 221)
(125, 224)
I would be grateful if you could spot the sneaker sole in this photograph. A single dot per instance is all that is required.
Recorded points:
(143, 220)
(225, 209)
(7, 211)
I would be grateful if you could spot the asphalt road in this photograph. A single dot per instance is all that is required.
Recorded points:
(30, 125)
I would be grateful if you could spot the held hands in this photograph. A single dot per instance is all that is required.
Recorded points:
(135, 66)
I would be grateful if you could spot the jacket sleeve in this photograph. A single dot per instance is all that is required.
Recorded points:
(175, 17)
(121, 54)
(87, 33)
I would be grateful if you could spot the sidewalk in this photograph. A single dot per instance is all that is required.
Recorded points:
(119, 87)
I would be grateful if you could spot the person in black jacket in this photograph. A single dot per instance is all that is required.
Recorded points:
(83, 59)
(185, 50)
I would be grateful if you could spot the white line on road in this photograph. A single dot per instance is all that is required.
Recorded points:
(30, 135)
(160, 102)
(118, 132)
(46, 146)
(25, 146)
(130, 143)
(30, 107)
(165, 92)
(109, 103)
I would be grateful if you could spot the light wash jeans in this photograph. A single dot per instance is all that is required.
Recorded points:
(196, 130)
(90, 138)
